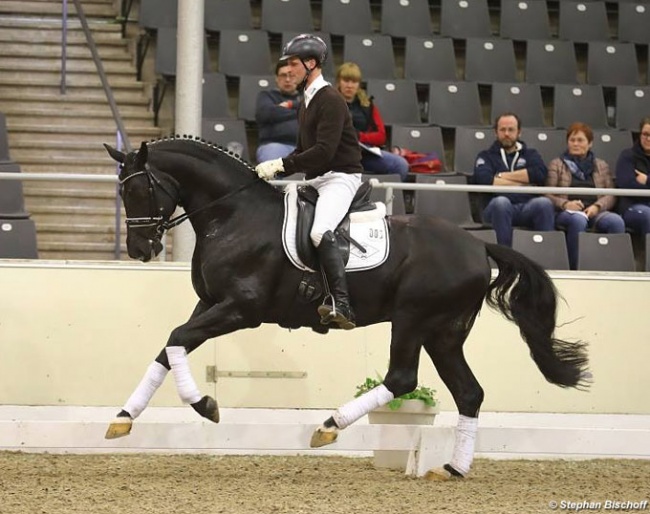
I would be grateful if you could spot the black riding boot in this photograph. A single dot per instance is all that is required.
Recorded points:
(332, 264)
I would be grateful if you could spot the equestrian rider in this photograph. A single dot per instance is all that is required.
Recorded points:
(328, 153)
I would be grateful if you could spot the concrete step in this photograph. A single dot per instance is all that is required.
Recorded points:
(78, 167)
(74, 115)
(46, 189)
(53, 95)
(21, 50)
(11, 22)
(73, 81)
(79, 202)
(16, 65)
(22, 129)
(47, 147)
(43, 8)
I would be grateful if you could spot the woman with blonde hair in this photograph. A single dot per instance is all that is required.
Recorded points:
(368, 123)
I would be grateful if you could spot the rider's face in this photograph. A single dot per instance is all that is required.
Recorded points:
(297, 68)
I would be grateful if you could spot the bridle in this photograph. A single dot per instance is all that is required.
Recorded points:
(158, 220)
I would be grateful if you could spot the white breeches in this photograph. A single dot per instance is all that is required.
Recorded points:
(335, 194)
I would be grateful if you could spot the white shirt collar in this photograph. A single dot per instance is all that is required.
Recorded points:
(318, 83)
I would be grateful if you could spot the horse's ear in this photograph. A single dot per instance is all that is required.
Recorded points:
(115, 154)
(141, 157)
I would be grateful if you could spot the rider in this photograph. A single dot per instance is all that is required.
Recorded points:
(328, 153)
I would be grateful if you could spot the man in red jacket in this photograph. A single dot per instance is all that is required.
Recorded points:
(328, 153)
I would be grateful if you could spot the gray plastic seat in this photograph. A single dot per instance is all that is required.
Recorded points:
(397, 100)
(249, 88)
(490, 60)
(230, 134)
(581, 21)
(429, 58)
(12, 203)
(419, 138)
(549, 142)
(462, 19)
(612, 64)
(372, 52)
(244, 52)
(453, 104)
(341, 17)
(4, 139)
(379, 195)
(402, 19)
(468, 142)
(155, 14)
(523, 20)
(550, 62)
(605, 252)
(18, 239)
(585, 103)
(165, 61)
(633, 22)
(287, 15)
(609, 143)
(215, 96)
(453, 206)
(523, 99)
(548, 249)
(228, 15)
(632, 103)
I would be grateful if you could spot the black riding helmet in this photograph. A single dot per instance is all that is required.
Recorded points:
(305, 47)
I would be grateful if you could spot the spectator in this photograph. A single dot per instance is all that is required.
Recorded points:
(276, 113)
(577, 167)
(632, 171)
(509, 162)
(369, 125)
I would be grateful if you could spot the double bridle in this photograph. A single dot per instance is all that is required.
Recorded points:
(158, 220)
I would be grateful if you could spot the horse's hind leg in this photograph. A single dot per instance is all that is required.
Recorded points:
(446, 352)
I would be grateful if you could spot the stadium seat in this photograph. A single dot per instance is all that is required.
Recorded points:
(584, 103)
(490, 60)
(379, 195)
(582, 22)
(156, 14)
(452, 104)
(549, 142)
(249, 87)
(468, 142)
(429, 58)
(215, 96)
(372, 52)
(230, 134)
(287, 15)
(548, 249)
(605, 252)
(524, 99)
(452, 206)
(18, 239)
(550, 62)
(633, 22)
(632, 102)
(487, 235)
(612, 64)
(419, 138)
(4, 139)
(402, 19)
(462, 19)
(609, 143)
(341, 17)
(523, 20)
(244, 52)
(397, 100)
(228, 15)
(166, 43)
(12, 204)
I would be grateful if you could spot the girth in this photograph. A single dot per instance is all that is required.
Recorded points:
(307, 197)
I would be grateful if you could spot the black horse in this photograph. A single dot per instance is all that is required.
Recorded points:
(431, 287)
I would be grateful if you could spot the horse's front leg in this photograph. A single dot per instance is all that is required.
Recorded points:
(402, 378)
(141, 396)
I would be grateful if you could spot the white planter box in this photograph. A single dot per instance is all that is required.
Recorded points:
(412, 412)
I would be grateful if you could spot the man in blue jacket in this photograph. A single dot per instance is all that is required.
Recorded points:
(509, 162)
(276, 114)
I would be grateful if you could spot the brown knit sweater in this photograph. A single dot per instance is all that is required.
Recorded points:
(327, 140)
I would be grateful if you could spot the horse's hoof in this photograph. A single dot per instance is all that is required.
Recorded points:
(121, 427)
(441, 475)
(208, 408)
(323, 436)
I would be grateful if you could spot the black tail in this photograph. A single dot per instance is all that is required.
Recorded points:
(525, 295)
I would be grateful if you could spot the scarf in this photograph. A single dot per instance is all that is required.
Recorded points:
(581, 169)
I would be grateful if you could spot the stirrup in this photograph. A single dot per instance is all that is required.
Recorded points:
(330, 314)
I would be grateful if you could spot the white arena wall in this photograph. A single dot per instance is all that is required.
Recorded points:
(82, 334)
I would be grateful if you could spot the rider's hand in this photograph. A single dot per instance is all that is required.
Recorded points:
(268, 169)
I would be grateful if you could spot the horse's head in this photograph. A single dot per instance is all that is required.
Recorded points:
(149, 200)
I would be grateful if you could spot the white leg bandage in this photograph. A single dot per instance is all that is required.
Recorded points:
(187, 389)
(464, 445)
(352, 411)
(152, 380)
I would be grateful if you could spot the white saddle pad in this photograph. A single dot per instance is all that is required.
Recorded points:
(368, 228)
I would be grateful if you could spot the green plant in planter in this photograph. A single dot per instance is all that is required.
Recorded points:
(422, 393)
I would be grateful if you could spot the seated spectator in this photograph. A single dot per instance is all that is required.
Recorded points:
(632, 171)
(577, 167)
(276, 113)
(369, 125)
(509, 162)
